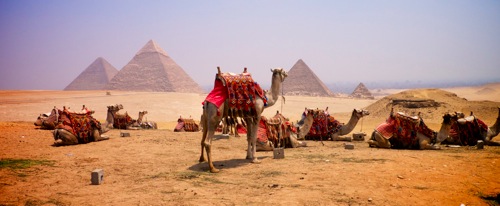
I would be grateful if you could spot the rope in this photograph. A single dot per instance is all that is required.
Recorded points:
(361, 130)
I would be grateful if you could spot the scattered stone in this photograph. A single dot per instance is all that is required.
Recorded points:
(348, 146)
(358, 136)
(97, 176)
(400, 177)
(480, 144)
(370, 199)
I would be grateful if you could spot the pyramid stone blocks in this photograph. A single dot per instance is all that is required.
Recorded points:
(302, 81)
(95, 77)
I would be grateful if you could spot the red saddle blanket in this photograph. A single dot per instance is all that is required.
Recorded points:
(469, 132)
(240, 90)
(323, 125)
(269, 130)
(189, 125)
(121, 121)
(81, 125)
(403, 129)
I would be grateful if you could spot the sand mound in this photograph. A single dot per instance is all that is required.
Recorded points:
(486, 90)
(432, 104)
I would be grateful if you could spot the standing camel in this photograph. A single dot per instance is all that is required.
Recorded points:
(213, 113)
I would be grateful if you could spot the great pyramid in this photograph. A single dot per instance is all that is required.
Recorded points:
(361, 92)
(95, 77)
(153, 70)
(302, 81)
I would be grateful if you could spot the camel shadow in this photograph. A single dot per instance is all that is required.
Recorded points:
(222, 165)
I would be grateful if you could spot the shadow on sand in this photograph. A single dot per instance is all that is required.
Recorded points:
(222, 165)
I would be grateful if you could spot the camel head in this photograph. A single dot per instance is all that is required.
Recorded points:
(115, 108)
(143, 113)
(40, 119)
(360, 113)
(448, 119)
(280, 72)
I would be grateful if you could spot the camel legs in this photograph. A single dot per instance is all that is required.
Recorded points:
(64, 137)
(337, 137)
(211, 120)
(378, 140)
(489, 142)
(252, 125)
(98, 137)
(424, 143)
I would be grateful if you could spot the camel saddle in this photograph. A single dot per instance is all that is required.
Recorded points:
(239, 90)
(121, 121)
(269, 131)
(468, 130)
(79, 124)
(189, 125)
(401, 130)
(323, 125)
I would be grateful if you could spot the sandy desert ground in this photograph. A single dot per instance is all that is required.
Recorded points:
(160, 167)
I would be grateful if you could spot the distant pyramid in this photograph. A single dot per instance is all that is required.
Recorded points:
(152, 69)
(95, 77)
(361, 92)
(302, 81)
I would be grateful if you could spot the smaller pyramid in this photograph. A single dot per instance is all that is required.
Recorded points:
(361, 92)
(95, 77)
(302, 81)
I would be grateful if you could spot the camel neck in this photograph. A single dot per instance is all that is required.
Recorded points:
(275, 90)
(347, 128)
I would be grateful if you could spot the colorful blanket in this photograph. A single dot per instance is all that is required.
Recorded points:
(469, 132)
(81, 125)
(240, 90)
(323, 125)
(121, 121)
(402, 130)
(269, 131)
(189, 125)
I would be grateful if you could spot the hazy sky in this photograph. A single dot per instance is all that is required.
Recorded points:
(47, 44)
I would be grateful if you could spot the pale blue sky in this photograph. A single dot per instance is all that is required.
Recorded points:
(46, 44)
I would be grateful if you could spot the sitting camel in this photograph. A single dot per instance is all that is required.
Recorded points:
(114, 120)
(249, 104)
(186, 125)
(404, 132)
(77, 128)
(145, 124)
(327, 126)
(468, 130)
(278, 132)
